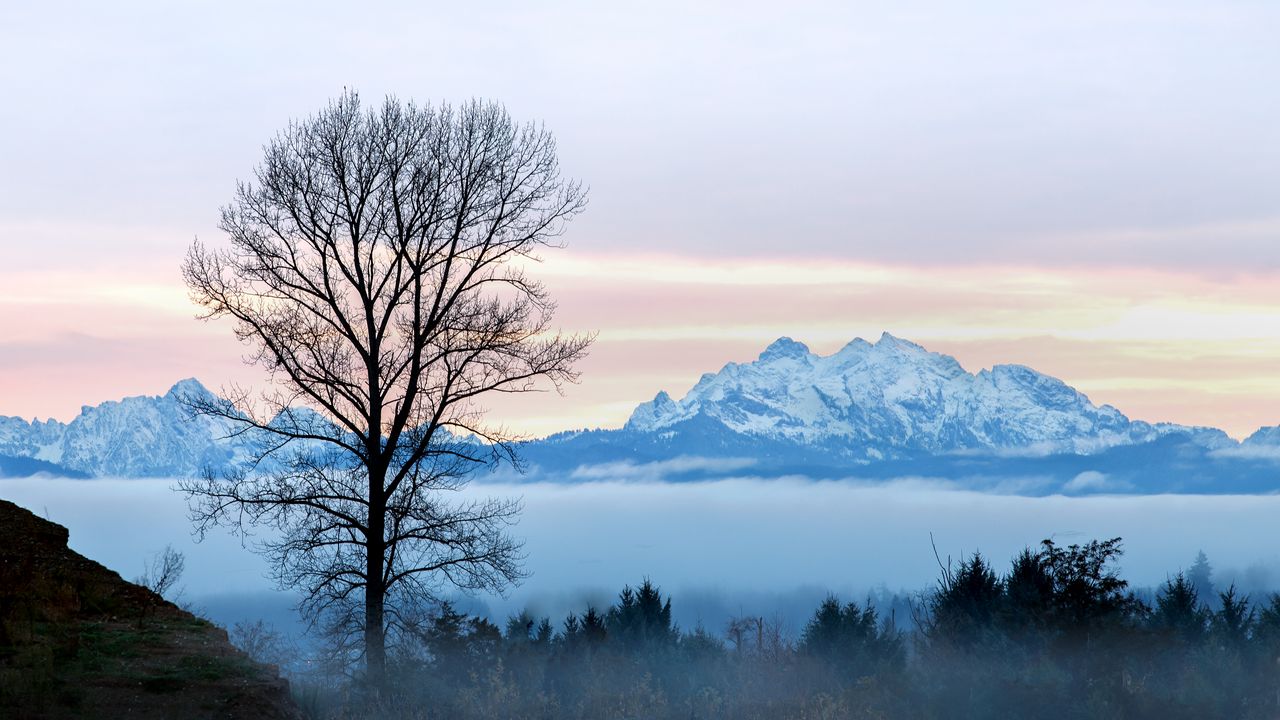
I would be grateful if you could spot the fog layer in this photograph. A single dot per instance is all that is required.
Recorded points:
(772, 544)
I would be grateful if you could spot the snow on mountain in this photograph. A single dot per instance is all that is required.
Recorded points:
(891, 400)
(36, 439)
(154, 436)
(1264, 437)
(895, 395)
(144, 436)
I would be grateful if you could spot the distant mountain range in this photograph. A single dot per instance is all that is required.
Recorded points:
(872, 401)
(871, 411)
(133, 437)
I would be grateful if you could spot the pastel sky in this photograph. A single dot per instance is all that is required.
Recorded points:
(1088, 188)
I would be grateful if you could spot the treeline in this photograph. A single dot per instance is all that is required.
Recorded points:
(1058, 635)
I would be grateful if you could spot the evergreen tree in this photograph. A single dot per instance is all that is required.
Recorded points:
(519, 628)
(1178, 610)
(1200, 575)
(593, 627)
(641, 620)
(545, 633)
(459, 645)
(963, 610)
(1028, 595)
(850, 637)
(1233, 622)
(1267, 629)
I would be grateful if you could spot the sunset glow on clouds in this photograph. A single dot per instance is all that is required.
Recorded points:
(1159, 345)
(1090, 189)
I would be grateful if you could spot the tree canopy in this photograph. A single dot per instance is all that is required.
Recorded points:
(377, 269)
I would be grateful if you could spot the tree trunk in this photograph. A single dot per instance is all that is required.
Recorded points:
(375, 640)
(375, 591)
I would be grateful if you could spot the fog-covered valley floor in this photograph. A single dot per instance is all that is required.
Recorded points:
(771, 547)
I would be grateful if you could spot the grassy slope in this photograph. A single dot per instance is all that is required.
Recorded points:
(78, 641)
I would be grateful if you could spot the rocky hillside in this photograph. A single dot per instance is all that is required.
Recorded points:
(77, 641)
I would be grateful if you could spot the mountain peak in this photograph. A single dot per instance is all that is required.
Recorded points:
(855, 345)
(890, 396)
(1265, 436)
(784, 347)
(646, 414)
(188, 387)
(889, 340)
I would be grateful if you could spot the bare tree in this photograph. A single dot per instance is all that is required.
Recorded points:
(163, 571)
(263, 643)
(375, 268)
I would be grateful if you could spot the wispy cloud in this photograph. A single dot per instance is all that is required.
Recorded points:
(1024, 193)
(659, 470)
(1092, 481)
(1159, 345)
(1249, 452)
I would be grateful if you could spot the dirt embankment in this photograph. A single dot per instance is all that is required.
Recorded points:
(77, 641)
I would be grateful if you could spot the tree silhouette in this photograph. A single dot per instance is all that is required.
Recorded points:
(641, 620)
(1234, 620)
(375, 270)
(1178, 610)
(963, 610)
(850, 637)
(1029, 597)
(1200, 575)
(1087, 590)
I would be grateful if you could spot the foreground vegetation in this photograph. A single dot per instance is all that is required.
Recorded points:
(1057, 635)
(77, 641)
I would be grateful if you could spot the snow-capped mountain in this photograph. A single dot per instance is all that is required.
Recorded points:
(874, 399)
(19, 438)
(145, 436)
(1264, 437)
(886, 409)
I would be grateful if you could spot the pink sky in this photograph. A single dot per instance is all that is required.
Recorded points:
(1086, 188)
(1159, 345)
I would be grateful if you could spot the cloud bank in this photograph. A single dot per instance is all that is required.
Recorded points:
(745, 533)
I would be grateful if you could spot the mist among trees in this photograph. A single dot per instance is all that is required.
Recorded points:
(1054, 633)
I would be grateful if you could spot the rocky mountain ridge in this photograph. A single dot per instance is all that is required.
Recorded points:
(141, 436)
(894, 395)
(871, 402)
